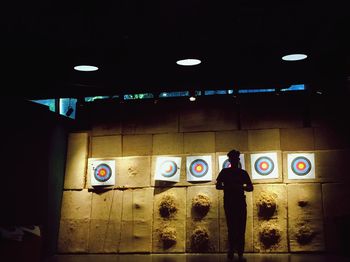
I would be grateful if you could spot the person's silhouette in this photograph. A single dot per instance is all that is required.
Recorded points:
(234, 181)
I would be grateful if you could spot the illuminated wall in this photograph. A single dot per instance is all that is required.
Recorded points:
(139, 214)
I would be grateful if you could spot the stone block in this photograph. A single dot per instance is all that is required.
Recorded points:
(137, 145)
(228, 140)
(136, 237)
(134, 172)
(106, 146)
(207, 119)
(102, 204)
(202, 202)
(143, 204)
(297, 139)
(112, 240)
(331, 138)
(270, 218)
(336, 208)
(331, 165)
(264, 140)
(169, 203)
(270, 112)
(169, 220)
(73, 236)
(77, 153)
(106, 129)
(203, 142)
(202, 236)
(76, 205)
(127, 208)
(97, 235)
(305, 217)
(167, 144)
(151, 120)
(169, 236)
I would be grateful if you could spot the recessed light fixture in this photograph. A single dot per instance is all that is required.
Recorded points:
(86, 68)
(192, 98)
(189, 62)
(294, 57)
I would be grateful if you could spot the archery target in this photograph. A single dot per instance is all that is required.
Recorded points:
(301, 166)
(264, 166)
(224, 163)
(103, 173)
(168, 169)
(199, 168)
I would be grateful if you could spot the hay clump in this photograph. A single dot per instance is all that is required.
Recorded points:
(201, 204)
(167, 206)
(302, 203)
(266, 204)
(269, 234)
(168, 237)
(200, 239)
(304, 234)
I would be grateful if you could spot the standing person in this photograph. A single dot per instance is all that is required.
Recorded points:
(234, 181)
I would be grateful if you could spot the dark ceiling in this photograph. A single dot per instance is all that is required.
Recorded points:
(136, 44)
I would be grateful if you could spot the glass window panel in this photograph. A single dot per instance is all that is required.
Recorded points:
(68, 107)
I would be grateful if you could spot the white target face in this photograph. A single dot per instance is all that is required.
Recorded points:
(102, 173)
(264, 166)
(301, 166)
(168, 169)
(199, 168)
(224, 163)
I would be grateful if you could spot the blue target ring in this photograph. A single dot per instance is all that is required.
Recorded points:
(264, 166)
(199, 168)
(226, 164)
(103, 172)
(301, 166)
(168, 168)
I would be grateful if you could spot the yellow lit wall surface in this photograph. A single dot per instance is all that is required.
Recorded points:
(140, 215)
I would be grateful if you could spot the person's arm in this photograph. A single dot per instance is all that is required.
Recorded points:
(219, 182)
(248, 185)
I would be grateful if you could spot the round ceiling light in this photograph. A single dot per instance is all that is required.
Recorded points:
(189, 62)
(294, 57)
(86, 68)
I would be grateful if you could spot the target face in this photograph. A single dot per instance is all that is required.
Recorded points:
(264, 166)
(168, 169)
(199, 168)
(103, 173)
(301, 166)
(224, 163)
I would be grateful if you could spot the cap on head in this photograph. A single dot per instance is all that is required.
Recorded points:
(233, 154)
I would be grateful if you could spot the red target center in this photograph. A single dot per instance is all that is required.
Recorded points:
(264, 166)
(168, 168)
(301, 166)
(102, 172)
(198, 168)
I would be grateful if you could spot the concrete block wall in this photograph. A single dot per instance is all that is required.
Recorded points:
(125, 218)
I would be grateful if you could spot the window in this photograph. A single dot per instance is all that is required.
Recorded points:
(68, 107)
(138, 96)
(50, 103)
(174, 94)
